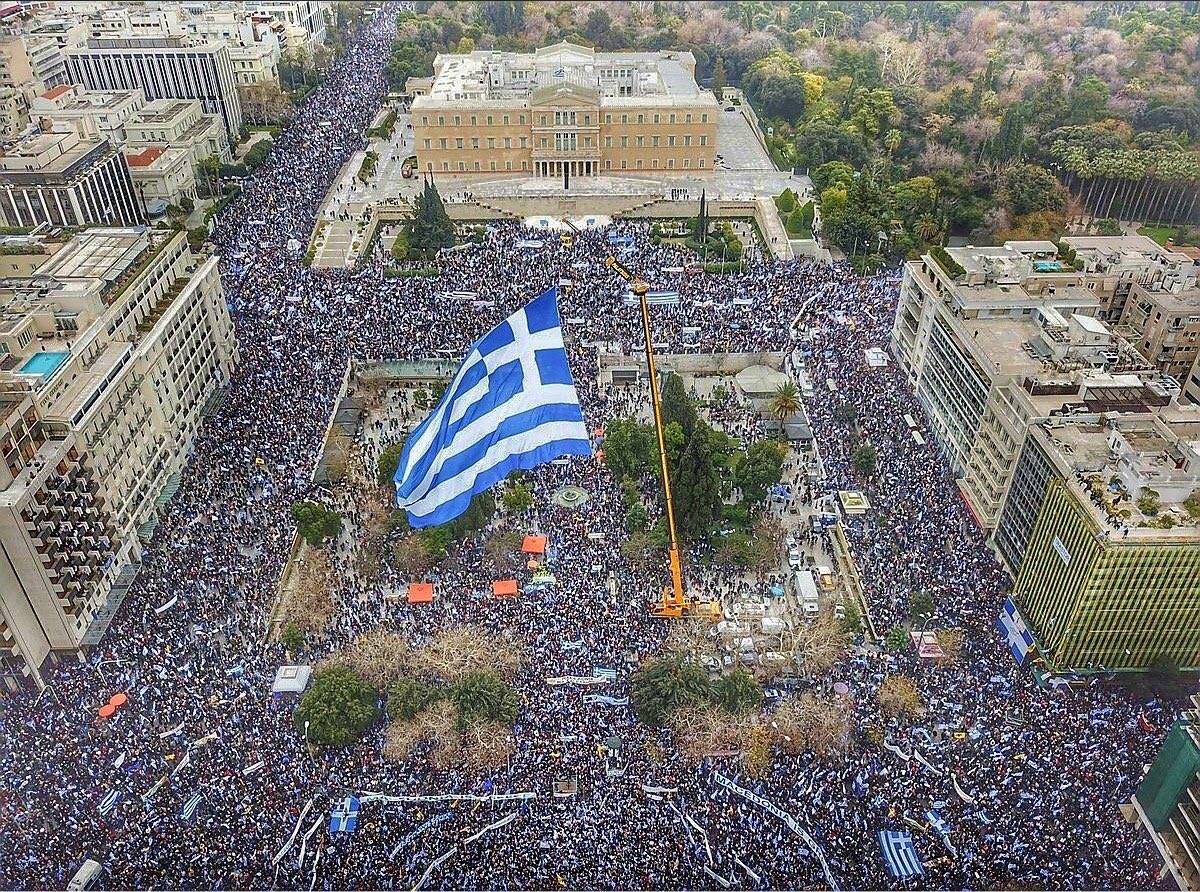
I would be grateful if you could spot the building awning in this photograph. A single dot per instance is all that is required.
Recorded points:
(534, 545)
(504, 588)
(420, 593)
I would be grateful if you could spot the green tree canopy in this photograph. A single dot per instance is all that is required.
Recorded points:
(677, 405)
(665, 685)
(759, 468)
(315, 522)
(738, 692)
(483, 696)
(430, 228)
(338, 707)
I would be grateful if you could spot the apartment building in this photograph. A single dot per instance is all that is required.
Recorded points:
(254, 45)
(112, 352)
(16, 85)
(1102, 527)
(309, 15)
(163, 176)
(93, 115)
(63, 180)
(1167, 801)
(564, 110)
(178, 123)
(1164, 324)
(163, 68)
(1114, 264)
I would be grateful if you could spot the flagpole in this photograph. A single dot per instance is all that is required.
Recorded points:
(673, 603)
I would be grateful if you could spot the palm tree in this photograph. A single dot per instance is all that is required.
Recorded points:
(786, 401)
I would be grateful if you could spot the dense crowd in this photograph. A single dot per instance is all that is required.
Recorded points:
(1041, 772)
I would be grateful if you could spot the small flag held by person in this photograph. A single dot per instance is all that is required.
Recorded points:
(511, 406)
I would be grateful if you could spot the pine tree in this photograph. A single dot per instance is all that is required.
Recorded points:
(718, 79)
(677, 405)
(697, 489)
(430, 227)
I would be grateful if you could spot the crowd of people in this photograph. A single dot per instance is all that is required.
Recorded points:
(1030, 784)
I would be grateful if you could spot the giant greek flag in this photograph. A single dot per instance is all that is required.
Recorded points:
(512, 405)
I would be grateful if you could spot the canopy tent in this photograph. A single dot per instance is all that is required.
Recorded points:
(420, 593)
(534, 545)
(504, 588)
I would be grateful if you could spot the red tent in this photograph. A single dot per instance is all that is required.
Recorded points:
(420, 592)
(504, 588)
(534, 545)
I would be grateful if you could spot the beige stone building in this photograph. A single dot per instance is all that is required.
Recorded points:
(565, 108)
(110, 355)
(1164, 324)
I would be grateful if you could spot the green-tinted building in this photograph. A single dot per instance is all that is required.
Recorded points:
(1105, 552)
(1167, 802)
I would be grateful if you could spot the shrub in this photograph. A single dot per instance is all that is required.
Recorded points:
(409, 696)
(315, 522)
(338, 706)
(946, 262)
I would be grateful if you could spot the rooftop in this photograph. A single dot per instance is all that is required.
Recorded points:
(57, 91)
(161, 111)
(145, 157)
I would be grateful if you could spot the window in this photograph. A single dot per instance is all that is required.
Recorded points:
(506, 120)
(624, 119)
(524, 165)
(655, 141)
(687, 163)
(671, 163)
(704, 118)
(564, 142)
(543, 142)
(445, 165)
(704, 140)
(475, 142)
(428, 143)
(608, 142)
(608, 119)
(587, 119)
(687, 140)
(474, 121)
(441, 120)
(671, 141)
(489, 120)
(508, 165)
(639, 164)
(654, 163)
(508, 142)
(462, 166)
(543, 121)
(493, 165)
(608, 164)
(656, 119)
(641, 140)
(641, 119)
(443, 142)
(672, 117)
(522, 119)
(587, 141)
(687, 119)
(624, 164)
(477, 166)
(624, 142)
(457, 121)
(458, 143)
(424, 120)
(491, 142)
(564, 119)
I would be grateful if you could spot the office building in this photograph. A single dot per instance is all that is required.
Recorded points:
(93, 115)
(16, 85)
(113, 350)
(1167, 802)
(63, 180)
(163, 68)
(1115, 264)
(1102, 529)
(564, 110)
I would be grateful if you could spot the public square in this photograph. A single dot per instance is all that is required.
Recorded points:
(1027, 778)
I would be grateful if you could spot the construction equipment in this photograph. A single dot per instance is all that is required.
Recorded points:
(674, 602)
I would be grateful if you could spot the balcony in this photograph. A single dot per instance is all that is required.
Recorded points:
(582, 153)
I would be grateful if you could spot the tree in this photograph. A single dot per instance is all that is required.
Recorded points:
(816, 646)
(308, 603)
(697, 489)
(899, 698)
(629, 448)
(810, 723)
(482, 696)
(429, 229)
(337, 707)
(832, 173)
(737, 692)
(863, 460)
(851, 621)
(517, 498)
(920, 605)
(389, 460)
(636, 517)
(665, 685)
(759, 469)
(785, 402)
(315, 522)
(897, 640)
(292, 639)
(718, 79)
(413, 556)
(677, 406)
(1030, 189)
(258, 153)
(599, 27)
(377, 657)
(951, 642)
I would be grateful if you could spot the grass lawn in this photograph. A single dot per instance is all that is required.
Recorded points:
(1181, 234)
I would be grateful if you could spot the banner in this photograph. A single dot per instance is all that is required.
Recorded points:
(445, 797)
(413, 834)
(503, 822)
(786, 818)
(605, 699)
(575, 679)
(646, 788)
(292, 840)
(433, 866)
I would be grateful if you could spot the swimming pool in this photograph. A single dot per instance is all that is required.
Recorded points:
(45, 363)
(1048, 266)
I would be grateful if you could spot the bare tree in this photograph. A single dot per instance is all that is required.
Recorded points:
(812, 723)
(898, 697)
(412, 556)
(379, 657)
(817, 646)
(951, 642)
(308, 605)
(487, 744)
(455, 653)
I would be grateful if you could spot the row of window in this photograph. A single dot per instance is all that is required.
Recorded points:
(568, 119)
(565, 142)
(608, 165)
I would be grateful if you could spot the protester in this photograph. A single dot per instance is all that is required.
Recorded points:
(1046, 769)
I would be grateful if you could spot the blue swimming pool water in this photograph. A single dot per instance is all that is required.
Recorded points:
(1048, 266)
(45, 363)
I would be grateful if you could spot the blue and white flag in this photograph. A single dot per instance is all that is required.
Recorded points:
(343, 816)
(938, 824)
(900, 855)
(189, 808)
(110, 801)
(1015, 632)
(511, 406)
